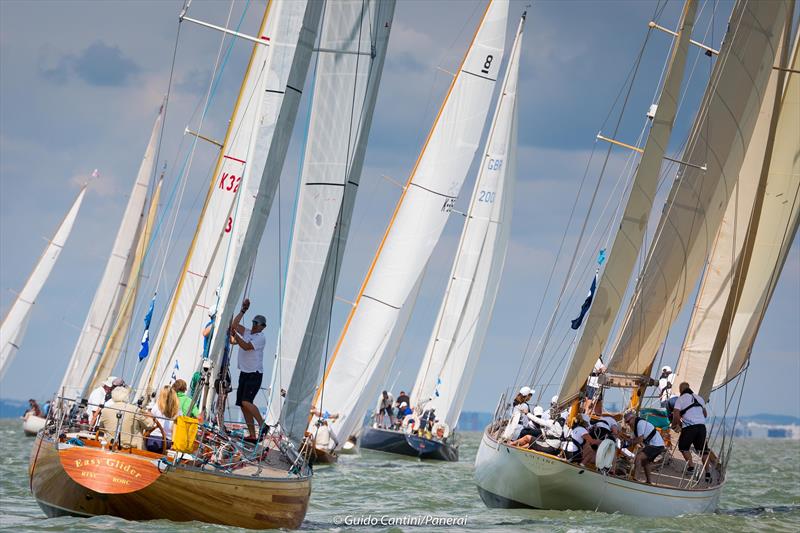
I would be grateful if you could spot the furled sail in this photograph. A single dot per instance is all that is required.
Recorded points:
(12, 330)
(295, 24)
(633, 224)
(460, 328)
(179, 344)
(108, 297)
(352, 48)
(695, 206)
(115, 343)
(777, 225)
(415, 226)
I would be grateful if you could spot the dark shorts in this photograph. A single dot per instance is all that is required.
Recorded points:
(693, 436)
(590, 392)
(249, 383)
(386, 410)
(155, 444)
(534, 432)
(574, 457)
(651, 452)
(544, 448)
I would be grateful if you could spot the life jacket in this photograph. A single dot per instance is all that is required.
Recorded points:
(649, 436)
(600, 432)
(694, 403)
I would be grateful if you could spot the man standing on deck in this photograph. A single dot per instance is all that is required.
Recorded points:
(251, 344)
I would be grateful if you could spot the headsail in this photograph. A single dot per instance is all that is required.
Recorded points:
(115, 343)
(698, 199)
(416, 225)
(777, 225)
(108, 297)
(294, 23)
(460, 328)
(352, 48)
(633, 223)
(12, 330)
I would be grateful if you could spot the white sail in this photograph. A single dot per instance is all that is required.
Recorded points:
(460, 328)
(179, 344)
(107, 298)
(352, 47)
(115, 343)
(633, 223)
(12, 330)
(698, 199)
(416, 225)
(294, 23)
(776, 227)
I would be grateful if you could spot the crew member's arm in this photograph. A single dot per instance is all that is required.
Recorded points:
(235, 323)
(676, 419)
(236, 338)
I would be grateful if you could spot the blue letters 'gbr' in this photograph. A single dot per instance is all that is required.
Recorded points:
(495, 164)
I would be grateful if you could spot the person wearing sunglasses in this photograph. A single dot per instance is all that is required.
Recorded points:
(251, 344)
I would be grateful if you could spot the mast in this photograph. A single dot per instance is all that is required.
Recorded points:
(697, 201)
(633, 223)
(460, 328)
(108, 297)
(179, 343)
(114, 344)
(12, 330)
(352, 48)
(759, 226)
(415, 227)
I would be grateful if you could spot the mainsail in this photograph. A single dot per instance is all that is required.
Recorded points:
(460, 328)
(698, 199)
(179, 345)
(777, 225)
(115, 343)
(108, 297)
(352, 47)
(295, 25)
(12, 330)
(633, 224)
(415, 226)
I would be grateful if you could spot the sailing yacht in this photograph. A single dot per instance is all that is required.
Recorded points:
(76, 470)
(371, 334)
(746, 137)
(15, 323)
(460, 328)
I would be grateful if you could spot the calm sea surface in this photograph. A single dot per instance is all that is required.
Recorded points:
(762, 494)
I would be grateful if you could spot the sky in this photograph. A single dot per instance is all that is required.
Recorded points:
(81, 83)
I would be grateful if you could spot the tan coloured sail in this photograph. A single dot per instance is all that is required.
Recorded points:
(776, 227)
(698, 200)
(116, 340)
(628, 241)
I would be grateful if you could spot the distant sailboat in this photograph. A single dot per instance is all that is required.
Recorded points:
(371, 334)
(460, 328)
(746, 129)
(15, 323)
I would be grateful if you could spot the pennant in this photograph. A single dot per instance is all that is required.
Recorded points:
(145, 349)
(436, 390)
(601, 257)
(586, 304)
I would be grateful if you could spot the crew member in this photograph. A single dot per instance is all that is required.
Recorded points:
(251, 344)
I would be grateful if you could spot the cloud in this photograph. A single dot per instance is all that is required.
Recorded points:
(100, 65)
(195, 81)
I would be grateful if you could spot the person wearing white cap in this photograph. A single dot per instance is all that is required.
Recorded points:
(665, 382)
(99, 396)
(522, 398)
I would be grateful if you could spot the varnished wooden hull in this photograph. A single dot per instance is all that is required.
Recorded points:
(323, 457)
(179, 494)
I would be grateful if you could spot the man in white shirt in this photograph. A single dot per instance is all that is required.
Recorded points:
(665, 382)
(645, 433)
(99, 396)
(689, 417)
(251, 344)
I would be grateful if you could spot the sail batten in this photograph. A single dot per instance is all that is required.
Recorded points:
(415, 227)
(633, 223)
(698, 200)
(14, 325)
(463, 319)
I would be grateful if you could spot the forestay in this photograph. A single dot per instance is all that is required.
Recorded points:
(12, 330)
(352, 48)
(293, 27)
(695, 206)
(460, 328)
(633, 223)
(108, 297)
(776, 229)
(415, 226)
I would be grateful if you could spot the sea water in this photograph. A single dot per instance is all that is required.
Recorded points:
(382, 492)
